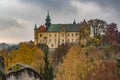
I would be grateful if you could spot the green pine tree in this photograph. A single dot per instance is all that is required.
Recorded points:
(48, 69)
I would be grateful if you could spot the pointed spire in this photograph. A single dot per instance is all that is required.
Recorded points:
(48, 16)
(48, 20)
(84, 21)
(35, 28)
(74, 22)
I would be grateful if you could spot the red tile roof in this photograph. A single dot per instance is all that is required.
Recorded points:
(42, 28)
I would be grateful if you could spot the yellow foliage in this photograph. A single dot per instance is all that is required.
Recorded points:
(30, 55)
(75, 65)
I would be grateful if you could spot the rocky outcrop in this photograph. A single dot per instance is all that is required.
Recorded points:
(18, 72)
(23, 72)
(2, 69)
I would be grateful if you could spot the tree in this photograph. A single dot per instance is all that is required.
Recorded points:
(105, 70)
(84, 32)
(48, 70)
(111, 33)
(27, 53)
(97, 27)
(94, 41)
(59, 53)
(118, 65)
(75, 65)
(4, 53)
(118, 37)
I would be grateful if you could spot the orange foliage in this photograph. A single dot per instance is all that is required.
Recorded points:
(75, 65)
(106, 70)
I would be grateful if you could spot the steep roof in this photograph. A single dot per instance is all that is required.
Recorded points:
(42, 28)
(68, 27)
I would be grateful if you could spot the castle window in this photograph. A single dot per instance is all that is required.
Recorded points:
(49, 40)
(63, 41)
(72, 40)
(58, 42)
(55, 35)
(68, 34)
(68, 40)
(49, 35)
(51, 45)
(72, 35)
(55, 41)
(76, 34)
(40, 35)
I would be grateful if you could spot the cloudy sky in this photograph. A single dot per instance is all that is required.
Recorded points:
(18, 17)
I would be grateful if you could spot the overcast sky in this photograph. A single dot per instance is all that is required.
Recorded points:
(18, 17)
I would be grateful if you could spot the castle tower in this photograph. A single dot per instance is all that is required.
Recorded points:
(35, 35)
(48, 21)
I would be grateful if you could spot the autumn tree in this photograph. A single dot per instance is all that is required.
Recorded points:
(94, 41)
(97, 27)
(105, 70)
(27, 53)
(84, 32)
(4, 53)
(111, 33)
(59, 53)
(75, 65)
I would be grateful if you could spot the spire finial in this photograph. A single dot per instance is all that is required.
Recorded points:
(84, 21)
(74, 22)
(48, 16)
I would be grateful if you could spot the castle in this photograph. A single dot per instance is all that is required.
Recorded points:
(56, 34)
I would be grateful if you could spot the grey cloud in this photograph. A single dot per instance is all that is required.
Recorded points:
(109, 3)
(107, 6)
(7, 22)
(58, 6)
(63, 8)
